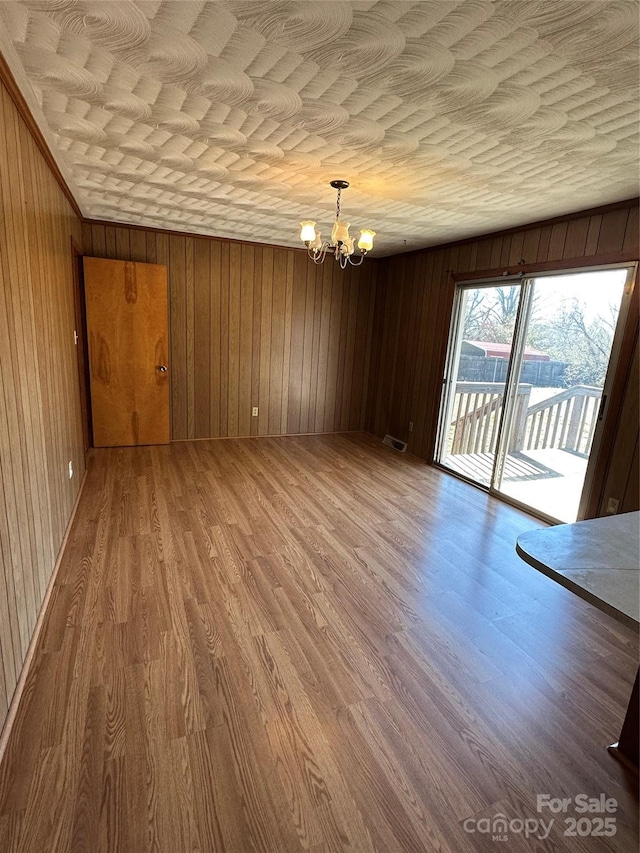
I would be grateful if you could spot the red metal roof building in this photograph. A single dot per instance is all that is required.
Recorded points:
(490, 350)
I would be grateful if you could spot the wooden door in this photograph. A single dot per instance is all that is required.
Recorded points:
(128, 349)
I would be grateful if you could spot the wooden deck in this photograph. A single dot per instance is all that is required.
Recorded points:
(519, 466)
(307, 644)
(549, 480)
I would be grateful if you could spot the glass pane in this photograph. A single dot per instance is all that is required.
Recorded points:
(474, 402)
(567, 349)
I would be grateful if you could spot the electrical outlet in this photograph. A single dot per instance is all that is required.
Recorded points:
(70, 469)
(254, 412)
(612, 506)
(410, 426)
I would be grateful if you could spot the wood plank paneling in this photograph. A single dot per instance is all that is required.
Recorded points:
(557, 241)
(576, 238)
(413, 311)
(266, 309)
(40, 420)
(612, 232)
(309, 380)
(202, 326)
(255, 332)
(623, 474)
(245, 372)
(257, 326)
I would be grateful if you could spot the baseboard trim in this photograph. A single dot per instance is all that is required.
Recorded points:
(28, 660)
(270, 435)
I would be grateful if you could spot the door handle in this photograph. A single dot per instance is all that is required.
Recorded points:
(603, 403)
(162, 368)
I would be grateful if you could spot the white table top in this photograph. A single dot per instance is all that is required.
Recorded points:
(598, 559)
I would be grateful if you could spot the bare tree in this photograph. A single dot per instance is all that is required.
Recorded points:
(584, 344)
(490, 313)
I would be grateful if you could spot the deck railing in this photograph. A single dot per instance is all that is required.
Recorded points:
(566, 420)
(476, 415)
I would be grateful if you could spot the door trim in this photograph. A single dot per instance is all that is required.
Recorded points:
(82, 354)
(620, 362)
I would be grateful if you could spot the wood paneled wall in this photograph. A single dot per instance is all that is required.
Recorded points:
(257, 326)
(622, 480)
(413, 311)
(40, 421)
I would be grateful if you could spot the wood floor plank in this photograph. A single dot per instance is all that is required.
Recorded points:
(307, 643)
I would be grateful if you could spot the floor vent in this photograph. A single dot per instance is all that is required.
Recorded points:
(390, 441)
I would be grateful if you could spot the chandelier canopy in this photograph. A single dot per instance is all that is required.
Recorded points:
(341, 245)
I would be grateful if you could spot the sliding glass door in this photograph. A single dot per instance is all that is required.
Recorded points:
(526, 369)
(484, 323)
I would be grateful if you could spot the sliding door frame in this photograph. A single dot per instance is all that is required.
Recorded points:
(512, 381)
(624, 339)
(619, 364)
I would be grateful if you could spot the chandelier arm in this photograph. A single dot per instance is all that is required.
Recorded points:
(354, 263)
(318, 255)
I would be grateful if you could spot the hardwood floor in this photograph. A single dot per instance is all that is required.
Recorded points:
(312, 644)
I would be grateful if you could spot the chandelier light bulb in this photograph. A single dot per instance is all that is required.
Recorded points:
(308, 231)
(365, 243)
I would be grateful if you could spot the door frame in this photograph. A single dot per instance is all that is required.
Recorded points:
(82, 353)
(622, 347)
(620, 361)
(512, 381)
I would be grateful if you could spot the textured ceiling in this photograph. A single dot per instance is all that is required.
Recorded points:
(230, 118)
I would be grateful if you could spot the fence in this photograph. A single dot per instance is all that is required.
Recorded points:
(542, 374)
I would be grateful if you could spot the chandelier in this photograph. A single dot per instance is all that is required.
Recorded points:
(341, 244)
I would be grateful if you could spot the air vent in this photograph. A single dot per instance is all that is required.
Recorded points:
(390, 441)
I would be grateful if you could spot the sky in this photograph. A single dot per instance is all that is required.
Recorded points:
(597, 290)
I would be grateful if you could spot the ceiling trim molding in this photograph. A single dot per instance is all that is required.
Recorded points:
(9, 81)
(548, 266)
(540, 223)
(171, 232)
